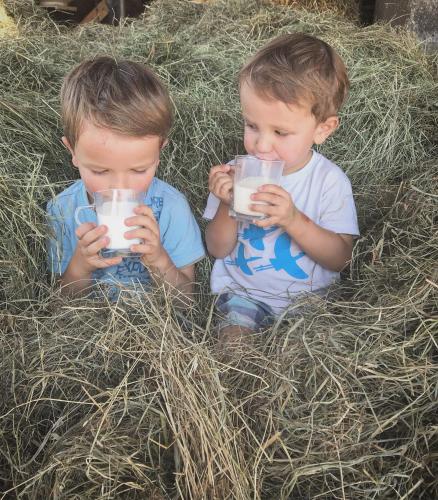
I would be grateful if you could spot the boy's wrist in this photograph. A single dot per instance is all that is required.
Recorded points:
(161, 264)
(79, 266)
(298, 224)
(225, 208)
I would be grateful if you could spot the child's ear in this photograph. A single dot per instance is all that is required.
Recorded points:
(325, 129)
(68, 146)
(164, 143)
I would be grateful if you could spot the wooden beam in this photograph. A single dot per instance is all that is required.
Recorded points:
(97, 14)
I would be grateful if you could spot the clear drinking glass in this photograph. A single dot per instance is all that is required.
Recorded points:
(113, 207)
(249, 174)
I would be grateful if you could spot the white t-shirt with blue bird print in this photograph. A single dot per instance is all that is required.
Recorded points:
(266, 263)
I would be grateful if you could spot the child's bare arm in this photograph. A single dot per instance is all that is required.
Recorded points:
(165, 272)
(154, 256)
(221, 233)
(330, 250)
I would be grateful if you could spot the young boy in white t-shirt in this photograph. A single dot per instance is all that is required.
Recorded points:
(290, 94)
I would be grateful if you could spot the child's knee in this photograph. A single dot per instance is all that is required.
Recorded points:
(242, 312)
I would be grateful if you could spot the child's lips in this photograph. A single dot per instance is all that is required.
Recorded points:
(267, 159)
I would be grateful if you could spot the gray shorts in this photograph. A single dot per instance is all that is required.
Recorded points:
(237, 310)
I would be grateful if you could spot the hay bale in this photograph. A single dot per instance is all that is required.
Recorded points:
(129, 399)
(7, 25)
(346, 8)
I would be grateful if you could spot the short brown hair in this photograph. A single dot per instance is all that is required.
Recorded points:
(124, 96)
(297, 68)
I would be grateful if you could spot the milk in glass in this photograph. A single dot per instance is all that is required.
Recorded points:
(112, 214)
(243, 189)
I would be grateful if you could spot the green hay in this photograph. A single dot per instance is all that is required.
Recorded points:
(130, 399)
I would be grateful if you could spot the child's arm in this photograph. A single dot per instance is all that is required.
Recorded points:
(221, 232)
(78, 276)
(165, 271)
(154, 256)
(329, 249)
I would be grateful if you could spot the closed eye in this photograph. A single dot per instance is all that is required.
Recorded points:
(281, 133)
(142, 171)
(99, 172)
(250, 125)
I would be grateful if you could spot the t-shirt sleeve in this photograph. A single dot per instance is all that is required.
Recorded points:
(338, 210)
(211, 207)
(180, 234)
(59, 248)
(213, 202)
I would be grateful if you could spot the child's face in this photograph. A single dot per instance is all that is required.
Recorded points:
(109, 160)
(275, 130)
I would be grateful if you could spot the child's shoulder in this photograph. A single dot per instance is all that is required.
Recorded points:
(72, 195)
(326, 171)
(163, 190)
(323, 164)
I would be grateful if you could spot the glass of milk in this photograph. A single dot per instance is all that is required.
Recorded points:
(113, 207)
(249, 174)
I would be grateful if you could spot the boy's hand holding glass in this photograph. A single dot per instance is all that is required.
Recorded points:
(280, 210)
(92, 240)
(220, 183)
(148, 231)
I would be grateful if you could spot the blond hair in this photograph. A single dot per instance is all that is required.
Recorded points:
(299, 69)
(124, 96)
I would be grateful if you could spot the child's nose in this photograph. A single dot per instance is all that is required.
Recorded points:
(264, 144)
(121, 183)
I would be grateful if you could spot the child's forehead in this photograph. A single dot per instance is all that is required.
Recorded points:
(94, 134)
(250, 93)
(254, 103)
(102, 146)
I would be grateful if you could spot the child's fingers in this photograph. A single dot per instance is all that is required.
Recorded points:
(93, 235)
(221, 185)
(221, 188)
(145, 222)
(144, 248)
(84, 229)
(219, 177)
(219, 169)
(102, 263)
(95, 247)
(264, 222)
(144, 210)
(143, 233)
(274, 189)
(262, 209)
(273, 199)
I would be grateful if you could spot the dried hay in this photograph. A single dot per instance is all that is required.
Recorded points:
(129, 399)
(7, 25)
(346, 8)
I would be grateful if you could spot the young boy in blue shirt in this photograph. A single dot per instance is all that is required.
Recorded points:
(116, 117)
(290, 94)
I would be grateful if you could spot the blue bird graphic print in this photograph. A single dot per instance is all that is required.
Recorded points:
(240, 260)
(284, 260)
(256, 234)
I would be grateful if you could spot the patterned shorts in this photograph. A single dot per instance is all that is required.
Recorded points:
(243, 311)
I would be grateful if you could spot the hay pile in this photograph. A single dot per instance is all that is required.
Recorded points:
(347, 8)
(130, 400)
(7, 25)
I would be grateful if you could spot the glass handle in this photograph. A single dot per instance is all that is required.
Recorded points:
(78, 209)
